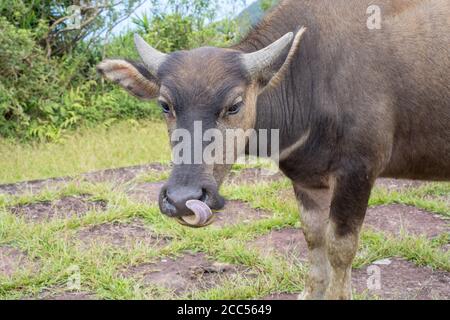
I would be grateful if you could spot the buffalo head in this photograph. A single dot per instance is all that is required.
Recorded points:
(203, 93)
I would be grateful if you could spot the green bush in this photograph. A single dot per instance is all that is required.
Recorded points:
(28, 81)
(41, 97)
(44, 94)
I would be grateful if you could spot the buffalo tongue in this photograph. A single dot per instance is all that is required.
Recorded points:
(202, 214)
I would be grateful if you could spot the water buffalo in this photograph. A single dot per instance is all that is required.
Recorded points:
(352, 104)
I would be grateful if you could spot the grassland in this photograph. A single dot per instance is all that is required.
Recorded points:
(122, 144)
(54, 248)
(125, 249)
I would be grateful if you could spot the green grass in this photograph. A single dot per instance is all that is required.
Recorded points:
(53, 245)
(426, 197)
(123, 144)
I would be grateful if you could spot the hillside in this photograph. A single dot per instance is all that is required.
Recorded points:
(254, 12)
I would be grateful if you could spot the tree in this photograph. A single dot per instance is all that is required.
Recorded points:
(60, 26)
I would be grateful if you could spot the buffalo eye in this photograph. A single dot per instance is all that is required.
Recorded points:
(164, 106)
(235, 108)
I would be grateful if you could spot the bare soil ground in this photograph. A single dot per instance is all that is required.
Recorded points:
(402, 280)
(289, 243)
(147, 192)
(398, 280)
(122, 175)
(395, 219)
(398, 184)
(66, 296)
(115, 176)
(186, 273)
(236, 212)
(253, 176)
(66, 207)
(13, 261)
(120, 235)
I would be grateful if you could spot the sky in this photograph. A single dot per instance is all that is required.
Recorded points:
(146, 7)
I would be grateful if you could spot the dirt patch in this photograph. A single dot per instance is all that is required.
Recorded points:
(13, 260)
(185, 274)
(252, 176)
(67, 207)
(289, 243)
(147, 193)
(116, 176)
(391, 219)
(122, 175)
(402, 280)
(398, 280)
(66, 296)
(281, 296)
(236, 212)
(121, 235)
(77, 296)
(33, 187)
(398, 184)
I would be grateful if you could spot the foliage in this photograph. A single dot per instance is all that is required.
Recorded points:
(187, 24)
(253, 14)
(63, 25)
(267, 4)
(40, 97)
(48, 81)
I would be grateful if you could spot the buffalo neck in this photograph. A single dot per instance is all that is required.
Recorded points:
(288, 105)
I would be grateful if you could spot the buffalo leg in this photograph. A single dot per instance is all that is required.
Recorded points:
(315, 209)
(348, 208)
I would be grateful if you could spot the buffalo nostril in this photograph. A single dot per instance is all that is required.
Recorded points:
(204, 197)
(166, 206)
(166, 198)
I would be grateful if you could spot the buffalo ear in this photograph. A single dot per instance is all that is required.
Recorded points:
(131, 76)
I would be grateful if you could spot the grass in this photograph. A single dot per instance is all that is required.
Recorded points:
(51, 243)
(48, 243)
(123, 144)
(54, 248)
